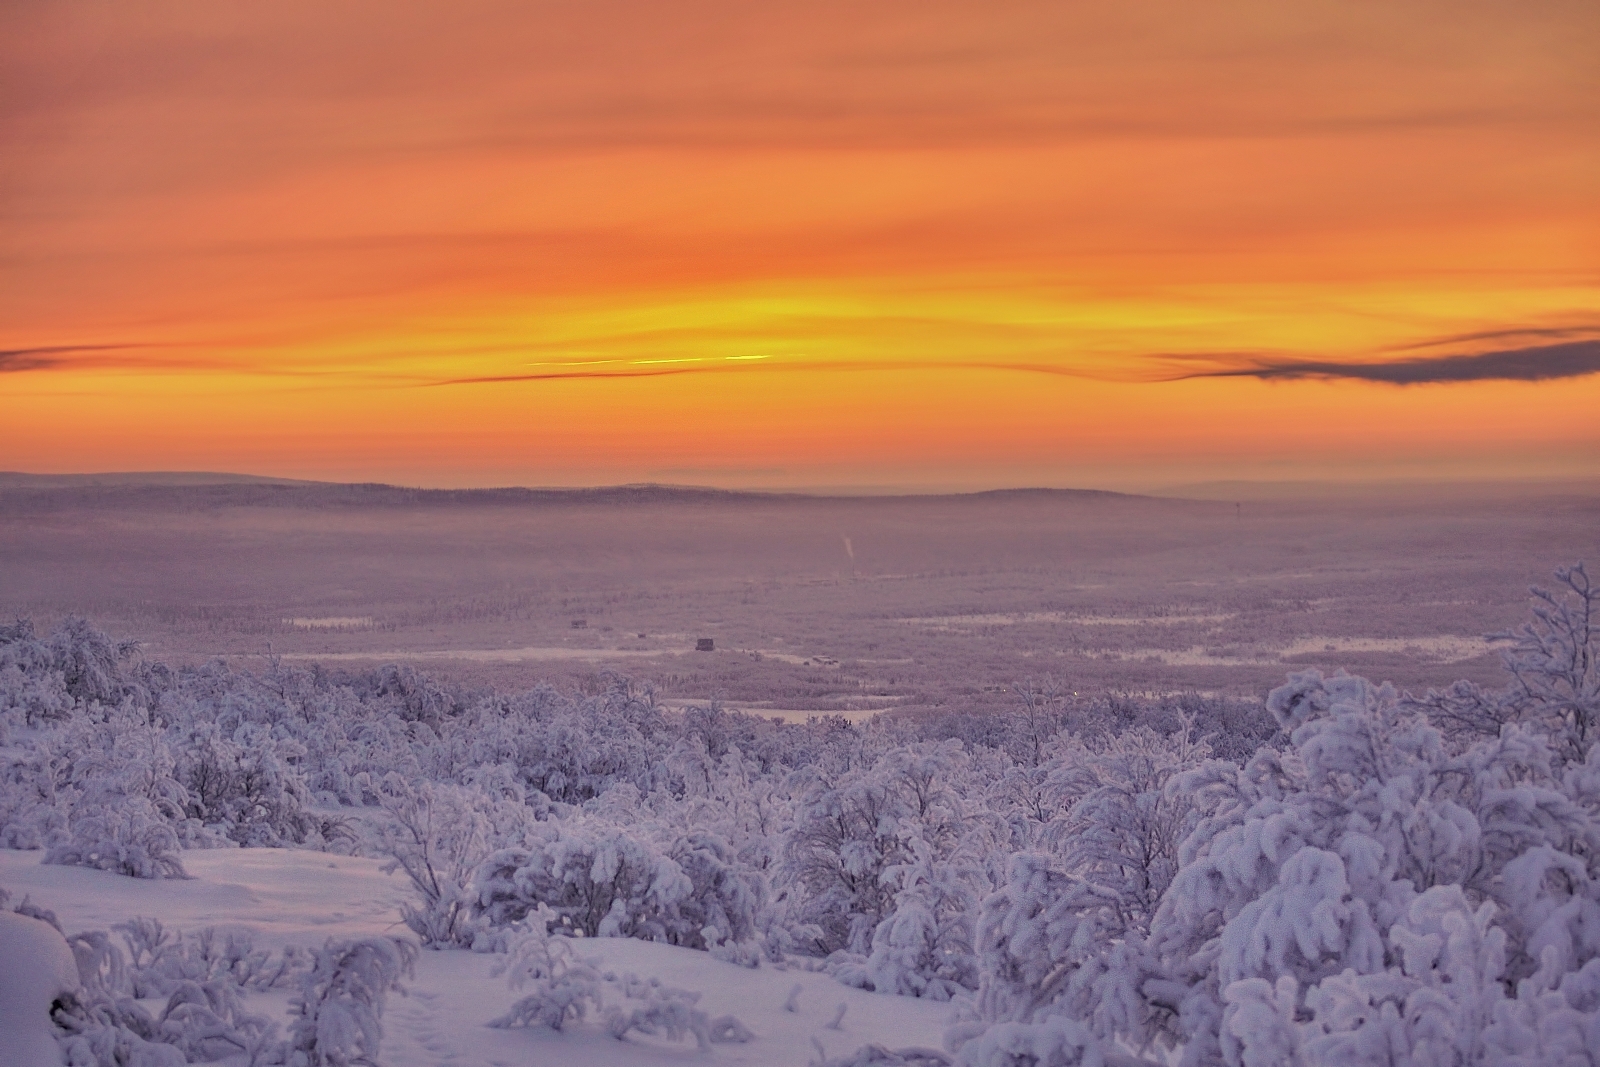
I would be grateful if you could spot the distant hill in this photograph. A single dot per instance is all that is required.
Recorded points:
(19, 480)
(1393, 489)
(210, 489)
(183, 489)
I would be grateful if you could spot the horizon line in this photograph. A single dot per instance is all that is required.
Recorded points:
(182, 479)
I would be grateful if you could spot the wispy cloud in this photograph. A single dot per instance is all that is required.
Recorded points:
(1538, 363)
(1533, 335)
(727, 365)
(52, 357)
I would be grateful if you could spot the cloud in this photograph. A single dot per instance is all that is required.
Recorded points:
(50, 357)
(726, 365)
(1531, 364)
(569, 375)
(1539, 363)
(1529, 334)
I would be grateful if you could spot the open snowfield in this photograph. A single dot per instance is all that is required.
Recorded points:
(288, 897)
(483, 655)
(940, 602)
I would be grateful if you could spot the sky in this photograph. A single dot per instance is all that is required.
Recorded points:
(764, 243)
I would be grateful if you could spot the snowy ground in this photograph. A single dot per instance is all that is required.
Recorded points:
(486, 655)
(302, 897)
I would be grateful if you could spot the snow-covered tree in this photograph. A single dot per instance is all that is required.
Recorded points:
(1065, 935)
(726, 898)
(852, 829)
(1554, 663)
(244, 786)
(924, 946)
(438, 835)
(1310, 865)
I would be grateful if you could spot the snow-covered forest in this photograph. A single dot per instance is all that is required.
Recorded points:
(1345, 875)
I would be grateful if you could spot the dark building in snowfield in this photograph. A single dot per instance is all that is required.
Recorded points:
(704, 644)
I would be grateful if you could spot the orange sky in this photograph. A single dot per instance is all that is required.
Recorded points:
(761, 243)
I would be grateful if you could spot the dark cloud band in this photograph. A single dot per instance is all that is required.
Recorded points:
(16, 360)
(1539, 363)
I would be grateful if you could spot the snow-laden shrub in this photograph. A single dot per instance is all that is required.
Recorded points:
(1343, 860)
(598, 879)
(733, 796)
(122, 1035)
(91, 664)
(104, 784)
(202, 1021)
(924, 946)
(31, 699)
(1053, 1042)
(853, 829)
(573, 752)
(1064, 935)
(1052, 944)
(129, 838)
(337, 1015)
(1554, 661)
(159, 960)
(723, 905)
(560, 987)
(207, 1021)
(439, 835)
(1116, 821)
(241, 786)
(1441, 1001)
(660, 1010)
(34, 803)
(419, 697)
(1266, 888)
(1371, 892)
(602, 881)
(83, 767)
(100, 1022)
(882, 1056)
(76, 661)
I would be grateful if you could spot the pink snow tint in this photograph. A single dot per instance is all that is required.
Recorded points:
(36, 967)
(293, 896)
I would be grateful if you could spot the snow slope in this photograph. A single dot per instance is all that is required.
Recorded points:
(36, 966)
(300, 897)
